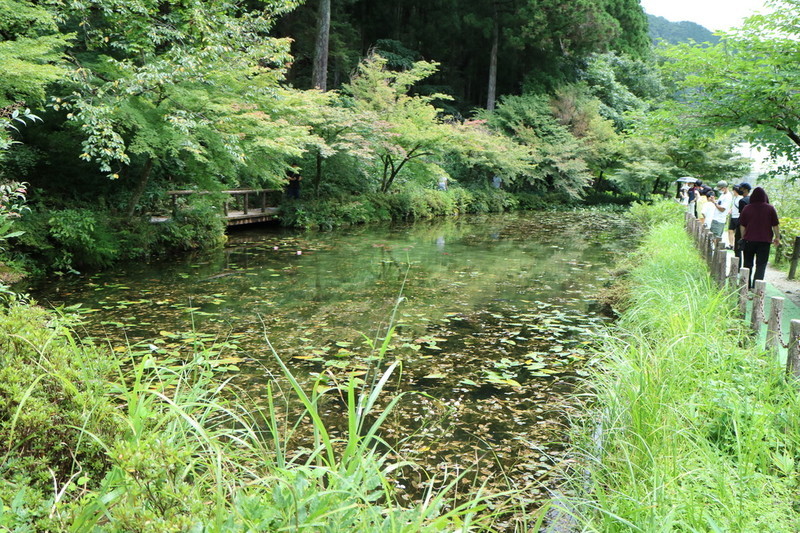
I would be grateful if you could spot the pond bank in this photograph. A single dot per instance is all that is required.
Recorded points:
(699, 428)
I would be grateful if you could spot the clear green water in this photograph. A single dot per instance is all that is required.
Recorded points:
(493, 317)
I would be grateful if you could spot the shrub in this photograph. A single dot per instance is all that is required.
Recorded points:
(53, 403)
(195, 226)
(593, 197)
(70, 238)
(790, 230)
(647, 215)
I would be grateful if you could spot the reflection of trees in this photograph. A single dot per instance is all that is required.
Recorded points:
(347, 278)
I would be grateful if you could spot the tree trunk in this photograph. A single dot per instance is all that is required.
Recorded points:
(319, 75)
(598, 184)
(492, 92)
(139, 190)
(318, 174)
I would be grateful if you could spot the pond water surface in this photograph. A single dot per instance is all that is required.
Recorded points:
(493, 316)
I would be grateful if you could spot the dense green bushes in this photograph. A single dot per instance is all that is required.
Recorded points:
(55, 412)
(407, 203)
(74, 239)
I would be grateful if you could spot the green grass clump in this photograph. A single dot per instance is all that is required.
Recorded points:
(158, 443)
(693, 428)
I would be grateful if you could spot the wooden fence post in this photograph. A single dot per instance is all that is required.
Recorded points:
(709, 251)
(721, 264)
(744, 289)
(733, 270)
(774, 339)
(793, 355)
(795, 257)
(718, 267)
(757, 312)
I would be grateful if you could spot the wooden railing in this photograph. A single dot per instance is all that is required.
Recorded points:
(725, 270)
(241, 206)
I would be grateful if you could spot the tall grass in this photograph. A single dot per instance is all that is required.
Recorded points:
(182, 449)
(691, 428)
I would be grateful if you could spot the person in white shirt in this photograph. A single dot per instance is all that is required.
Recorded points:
(723, 209)
(734, 220)
(707, 215)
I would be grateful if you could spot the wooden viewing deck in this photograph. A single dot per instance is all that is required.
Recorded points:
(237, 210)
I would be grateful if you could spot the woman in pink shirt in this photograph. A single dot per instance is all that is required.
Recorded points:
(759, 224)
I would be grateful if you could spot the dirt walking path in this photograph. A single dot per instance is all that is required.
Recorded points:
(789, 288)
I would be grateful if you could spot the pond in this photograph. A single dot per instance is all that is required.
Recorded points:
(492, 317)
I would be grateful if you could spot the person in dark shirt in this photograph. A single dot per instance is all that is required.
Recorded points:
(745, 189)
(759, 224)
(294, 178)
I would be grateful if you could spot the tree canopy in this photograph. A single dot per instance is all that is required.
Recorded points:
(748, 81)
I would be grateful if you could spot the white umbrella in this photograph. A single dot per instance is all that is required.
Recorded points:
(687, 179)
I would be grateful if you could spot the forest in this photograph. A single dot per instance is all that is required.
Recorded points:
(463, 373)
(107, 105)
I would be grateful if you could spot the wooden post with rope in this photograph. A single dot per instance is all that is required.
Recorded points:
(757, 312)
(733, 269)
(744, 290)
(793, 353)
(774, 341)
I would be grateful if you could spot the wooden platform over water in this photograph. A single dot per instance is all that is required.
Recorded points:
(236, 210)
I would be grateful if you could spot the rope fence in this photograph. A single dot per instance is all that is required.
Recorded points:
(726, 272)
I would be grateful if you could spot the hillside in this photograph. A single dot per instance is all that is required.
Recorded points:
(678, 32)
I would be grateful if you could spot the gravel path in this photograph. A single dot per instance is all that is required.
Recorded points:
(790, 288)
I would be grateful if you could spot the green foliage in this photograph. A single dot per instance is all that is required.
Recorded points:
(645, 215)
(623, 85)
(195, 226)
(404, 130)
(82, 238)
(31, 53)
(609, 198)
(746, 81)
(697, 429)
(54, 405)
(67, 240)
(558, 155)
(333, 212)
(790, 230)
(409, 202)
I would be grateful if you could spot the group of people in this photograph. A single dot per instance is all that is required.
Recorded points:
(751, 221)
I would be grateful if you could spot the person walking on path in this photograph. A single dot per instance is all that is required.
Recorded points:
(722, 209)
(708, 209)
(734, 220)
(745, 189)
(759, 224)
(701, 197)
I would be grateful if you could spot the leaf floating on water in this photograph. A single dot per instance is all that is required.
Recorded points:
(226, 361)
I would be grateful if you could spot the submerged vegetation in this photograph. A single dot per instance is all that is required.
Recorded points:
(688, 425)
(94, 441)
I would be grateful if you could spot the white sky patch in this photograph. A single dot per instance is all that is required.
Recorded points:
(713, 14)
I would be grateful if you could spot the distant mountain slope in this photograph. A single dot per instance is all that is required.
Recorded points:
(678, 32)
